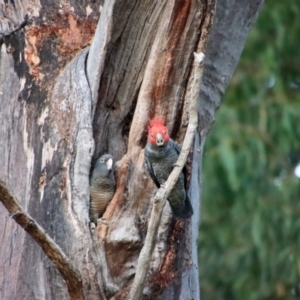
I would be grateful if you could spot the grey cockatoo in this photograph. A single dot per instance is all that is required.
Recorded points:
(102, 186)
(161, 153)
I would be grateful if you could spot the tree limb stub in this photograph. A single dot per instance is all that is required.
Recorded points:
(51, 249)
(162, 194)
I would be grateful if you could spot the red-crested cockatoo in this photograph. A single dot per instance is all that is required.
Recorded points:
(161, 153)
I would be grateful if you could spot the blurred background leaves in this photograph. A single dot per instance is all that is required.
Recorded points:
(249, 241)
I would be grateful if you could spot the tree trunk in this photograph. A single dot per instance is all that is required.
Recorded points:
(62, 105)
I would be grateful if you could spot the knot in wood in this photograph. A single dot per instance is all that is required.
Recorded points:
(31, 224)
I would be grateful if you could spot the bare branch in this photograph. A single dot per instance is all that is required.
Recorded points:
(51, 249)
(163, 193)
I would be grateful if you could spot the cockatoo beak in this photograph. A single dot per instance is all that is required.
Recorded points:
(159, 140)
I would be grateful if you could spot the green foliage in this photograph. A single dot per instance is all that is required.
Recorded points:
(249, 245)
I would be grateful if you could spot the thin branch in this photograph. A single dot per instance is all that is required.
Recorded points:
(163, 193)
(51, 249)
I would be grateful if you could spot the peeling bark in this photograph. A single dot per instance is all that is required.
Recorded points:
(62, 105)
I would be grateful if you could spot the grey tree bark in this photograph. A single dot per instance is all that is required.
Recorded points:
(62, 105)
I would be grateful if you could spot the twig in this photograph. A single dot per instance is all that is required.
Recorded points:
(50, 248)
(163, 193)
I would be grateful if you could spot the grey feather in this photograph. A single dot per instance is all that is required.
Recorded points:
(102, 186)
(159, 162)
